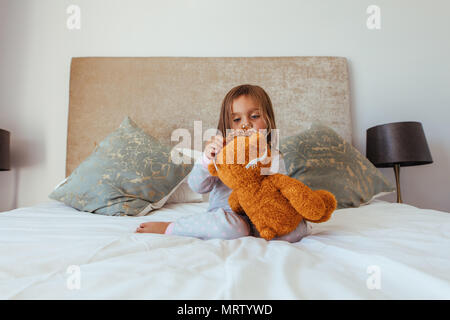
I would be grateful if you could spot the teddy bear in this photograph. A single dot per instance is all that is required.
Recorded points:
(275, 203)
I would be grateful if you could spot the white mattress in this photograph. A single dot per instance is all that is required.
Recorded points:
(378, 251)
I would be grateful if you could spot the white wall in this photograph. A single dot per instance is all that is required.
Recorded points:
(398, 73)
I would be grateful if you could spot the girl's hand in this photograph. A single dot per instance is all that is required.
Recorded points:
(214, 147)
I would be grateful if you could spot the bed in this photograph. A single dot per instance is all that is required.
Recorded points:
(379, 250)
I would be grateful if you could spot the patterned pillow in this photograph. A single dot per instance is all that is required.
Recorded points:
(129, 173)
(322, 159)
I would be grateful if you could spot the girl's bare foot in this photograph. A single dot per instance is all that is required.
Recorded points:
(153, 227)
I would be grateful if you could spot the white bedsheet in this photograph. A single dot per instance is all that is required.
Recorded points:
(378, 251)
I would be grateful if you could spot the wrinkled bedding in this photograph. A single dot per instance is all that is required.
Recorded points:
(378, 251)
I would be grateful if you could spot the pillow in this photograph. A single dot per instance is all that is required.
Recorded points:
(129, 173)
(322, 159)
(184, 193)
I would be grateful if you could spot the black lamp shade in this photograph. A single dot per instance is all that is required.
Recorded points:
(401, 143)
(4, 150)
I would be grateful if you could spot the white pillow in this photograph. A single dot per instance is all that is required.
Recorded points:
(183, 193)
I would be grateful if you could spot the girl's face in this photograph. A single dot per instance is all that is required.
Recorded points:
(245, 112)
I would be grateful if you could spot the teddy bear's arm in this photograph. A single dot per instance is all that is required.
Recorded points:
(307, 202)
(233, 201)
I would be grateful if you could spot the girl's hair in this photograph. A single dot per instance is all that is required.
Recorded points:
(259, 96)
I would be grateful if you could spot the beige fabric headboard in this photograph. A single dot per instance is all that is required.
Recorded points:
(165, 93)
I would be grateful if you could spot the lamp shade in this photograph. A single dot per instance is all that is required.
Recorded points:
(401, 143)
(4, 150)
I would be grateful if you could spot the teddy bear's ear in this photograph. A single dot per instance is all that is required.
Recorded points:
(212, 169)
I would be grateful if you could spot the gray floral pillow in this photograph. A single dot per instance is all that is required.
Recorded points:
(322, 159)
(128, 172)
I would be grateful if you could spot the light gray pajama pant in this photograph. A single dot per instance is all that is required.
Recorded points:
(221, 224)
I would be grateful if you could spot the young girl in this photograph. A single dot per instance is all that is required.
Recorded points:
(244, 107)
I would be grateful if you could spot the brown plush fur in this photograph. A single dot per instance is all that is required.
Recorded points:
(275, 203)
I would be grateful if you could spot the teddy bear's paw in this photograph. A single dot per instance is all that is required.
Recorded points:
(267, 233)
(310, 206)
(330, 204)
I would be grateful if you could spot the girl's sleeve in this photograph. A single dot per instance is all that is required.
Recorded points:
(199, 179)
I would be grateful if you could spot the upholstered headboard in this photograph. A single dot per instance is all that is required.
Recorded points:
(162, 94)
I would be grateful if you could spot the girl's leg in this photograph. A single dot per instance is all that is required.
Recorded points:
(217, 224)
(302, 230)
(152, 227)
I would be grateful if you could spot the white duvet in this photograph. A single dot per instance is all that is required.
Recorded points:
(378, 251)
